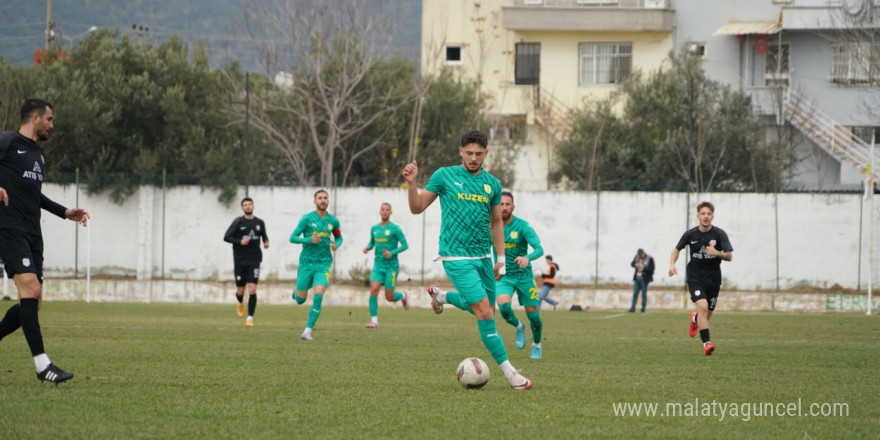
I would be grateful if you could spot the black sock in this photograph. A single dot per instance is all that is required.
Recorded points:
(240, 298)
(252, 304)
(704, 335)
(10, 322)
(30, 325)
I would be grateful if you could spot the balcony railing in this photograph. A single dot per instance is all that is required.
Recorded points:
(634, 4)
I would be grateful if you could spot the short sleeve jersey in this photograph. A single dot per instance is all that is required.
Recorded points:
(313, 224)
(518, 235)
(704, 269)
(388, 237)
(255, 228)
(466, 201)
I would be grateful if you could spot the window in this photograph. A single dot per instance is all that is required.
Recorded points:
(453, 54)
(597, 2)
(851, 63)
(604, 63)
(777, 65)
(696, 49)
(527, 66)
(534, 2)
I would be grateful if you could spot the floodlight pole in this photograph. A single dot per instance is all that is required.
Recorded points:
(870, 190)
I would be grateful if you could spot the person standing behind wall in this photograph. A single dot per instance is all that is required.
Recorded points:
(549, 282)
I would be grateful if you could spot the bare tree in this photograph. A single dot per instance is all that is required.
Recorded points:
(329, 96)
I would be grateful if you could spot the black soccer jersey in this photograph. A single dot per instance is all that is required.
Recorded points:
(255, 228)
(22, 164)
(704, 269)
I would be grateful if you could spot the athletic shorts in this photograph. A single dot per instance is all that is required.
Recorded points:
(21, 253)
(308, 277)
(710, 294)
(473, 279)
(385, 275)
(247, 274)
(523, 285)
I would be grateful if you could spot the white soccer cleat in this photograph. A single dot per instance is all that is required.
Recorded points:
(306, 336)
(433, 290)
(519, 382)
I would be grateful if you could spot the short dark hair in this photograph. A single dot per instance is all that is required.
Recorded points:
(33, 106)
(475, 137)
(706, 205)
(385, 203)
(246, 199)
(508, 194)
(549, 257)
(319, 192)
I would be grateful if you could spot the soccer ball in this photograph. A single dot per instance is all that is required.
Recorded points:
(472, 373)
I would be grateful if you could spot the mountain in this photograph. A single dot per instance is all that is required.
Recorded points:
(23, 24)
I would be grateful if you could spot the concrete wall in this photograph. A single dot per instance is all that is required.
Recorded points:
(822, 238)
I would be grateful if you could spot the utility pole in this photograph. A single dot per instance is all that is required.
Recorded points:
(49, 25)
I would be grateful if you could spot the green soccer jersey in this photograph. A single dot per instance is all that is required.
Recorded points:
(518, 236)
(388, 237)
(466, 201)
(313, 224)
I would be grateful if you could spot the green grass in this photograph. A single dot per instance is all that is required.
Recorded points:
(166, 371)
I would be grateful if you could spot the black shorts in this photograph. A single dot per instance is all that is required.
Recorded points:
(710, 294)
(21, 253)
(246, 274)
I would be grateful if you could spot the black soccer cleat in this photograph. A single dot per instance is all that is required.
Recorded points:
(54, 374)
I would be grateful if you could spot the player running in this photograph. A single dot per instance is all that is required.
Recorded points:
(708, 245)
(318, 232)
(388, 240)
(470, 225)
(245, 234)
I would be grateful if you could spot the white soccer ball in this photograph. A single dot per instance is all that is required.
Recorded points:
(472, 373)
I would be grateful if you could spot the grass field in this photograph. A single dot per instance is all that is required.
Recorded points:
(166, 371)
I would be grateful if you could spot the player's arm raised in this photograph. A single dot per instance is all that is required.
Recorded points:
(418, 200)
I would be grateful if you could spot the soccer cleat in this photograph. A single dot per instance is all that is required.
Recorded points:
(708, 348)
(241, 310)
(537, 352)
(519, 382)
(404, 301)
(249, 322)
(692, 331)
(54, 374)
(520, 335)
(433, 291)
(373, 324)
(306, 336)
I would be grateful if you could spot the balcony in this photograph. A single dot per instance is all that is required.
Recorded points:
(588, 15)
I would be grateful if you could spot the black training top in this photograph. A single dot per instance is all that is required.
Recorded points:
(22, 163)
(241, 226)
(704, 269)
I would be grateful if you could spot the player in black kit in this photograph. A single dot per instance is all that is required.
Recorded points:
(708, 245)
(22, 164)
(244, 233)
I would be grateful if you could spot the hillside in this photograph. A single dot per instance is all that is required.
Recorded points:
(22, 24)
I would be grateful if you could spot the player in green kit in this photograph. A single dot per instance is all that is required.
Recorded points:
(388, 240)
(518, 236)
(318, 232)
(470, 225)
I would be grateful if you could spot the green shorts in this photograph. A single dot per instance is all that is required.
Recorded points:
(385, 274)
(473, 279)
(523, 285)
(308, 277)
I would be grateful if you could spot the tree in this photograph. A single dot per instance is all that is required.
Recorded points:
(128, 109)
(331, 96)
(676, 126)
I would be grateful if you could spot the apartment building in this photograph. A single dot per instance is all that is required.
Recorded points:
(537, 59)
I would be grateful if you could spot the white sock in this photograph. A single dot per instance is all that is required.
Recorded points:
(536, 345)
(441, 297)
(41, 361)
(307, 331)
(507, 369)
(250, 318)
(374, 319)
(521, 325)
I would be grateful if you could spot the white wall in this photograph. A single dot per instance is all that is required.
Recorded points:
(818, 234)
